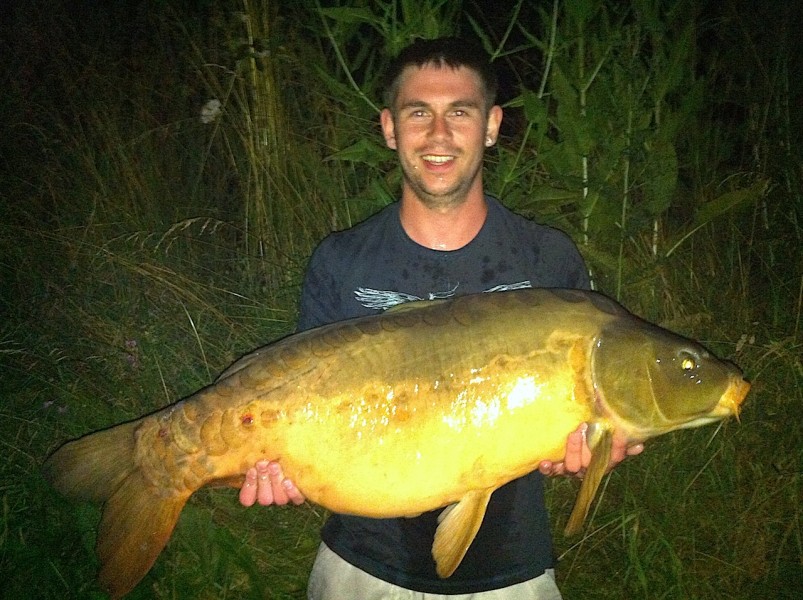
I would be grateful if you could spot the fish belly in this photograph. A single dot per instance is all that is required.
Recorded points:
(385, 442)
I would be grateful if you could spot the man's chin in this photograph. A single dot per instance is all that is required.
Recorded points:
(440, 199)
(442, 202)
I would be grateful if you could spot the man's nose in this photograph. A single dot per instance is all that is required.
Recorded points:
(439, 128)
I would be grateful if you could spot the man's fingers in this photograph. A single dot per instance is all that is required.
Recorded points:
(578, 454)
(548, 468)
(620, 450)
(295, 496)
(576, 451)
(248, 492)
(635, 450)
(265, 483)
(284, 490)
(275, 476)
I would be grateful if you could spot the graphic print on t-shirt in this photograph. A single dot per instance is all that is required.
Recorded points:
(385, 299)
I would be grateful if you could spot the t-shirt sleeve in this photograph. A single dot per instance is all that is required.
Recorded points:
(317, 293)
(576, 271)
(561, 263)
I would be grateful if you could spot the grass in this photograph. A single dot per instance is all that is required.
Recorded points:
(121, 360)
(132, 273)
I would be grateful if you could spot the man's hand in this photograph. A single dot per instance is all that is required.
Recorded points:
(265, 483)
(578, 454)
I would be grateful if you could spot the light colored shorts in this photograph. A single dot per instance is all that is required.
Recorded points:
(333, 578)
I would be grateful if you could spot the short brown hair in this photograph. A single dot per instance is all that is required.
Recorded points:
(450, 51)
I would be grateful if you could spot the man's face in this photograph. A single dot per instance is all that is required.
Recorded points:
(439, 127)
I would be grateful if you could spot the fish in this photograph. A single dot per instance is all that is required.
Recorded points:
(431, 404)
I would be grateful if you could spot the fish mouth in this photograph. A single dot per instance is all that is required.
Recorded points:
(731, 401)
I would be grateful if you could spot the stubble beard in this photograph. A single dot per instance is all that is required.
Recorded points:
(443, 200)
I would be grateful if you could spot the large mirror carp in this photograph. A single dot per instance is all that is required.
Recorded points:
(431, 404)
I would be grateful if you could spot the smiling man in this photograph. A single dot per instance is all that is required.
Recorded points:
(439, 124)
(445, 237)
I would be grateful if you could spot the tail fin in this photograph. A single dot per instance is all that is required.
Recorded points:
(135, 527)
(137, 520)
(93, 467)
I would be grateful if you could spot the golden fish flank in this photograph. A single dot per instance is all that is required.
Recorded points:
(432, 404)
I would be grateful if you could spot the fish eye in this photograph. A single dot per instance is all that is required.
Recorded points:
(687, 362)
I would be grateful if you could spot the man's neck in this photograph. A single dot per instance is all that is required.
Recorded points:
(446, 228)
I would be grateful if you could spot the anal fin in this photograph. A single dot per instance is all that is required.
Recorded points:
(458, 526)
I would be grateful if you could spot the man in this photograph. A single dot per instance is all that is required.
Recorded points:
(444, 238)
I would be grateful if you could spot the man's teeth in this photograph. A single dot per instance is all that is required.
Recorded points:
(437, 159)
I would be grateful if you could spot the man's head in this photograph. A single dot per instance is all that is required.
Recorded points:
(440, 119)
(441, 52)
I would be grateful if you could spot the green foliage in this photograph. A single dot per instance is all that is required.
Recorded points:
(166, 173)
(606, 123)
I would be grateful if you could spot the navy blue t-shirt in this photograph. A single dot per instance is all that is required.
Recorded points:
(374, 266)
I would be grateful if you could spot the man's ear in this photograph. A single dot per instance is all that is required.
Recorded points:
(494, 122)
(388, 128)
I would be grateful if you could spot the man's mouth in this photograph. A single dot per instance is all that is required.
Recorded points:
(438, 159)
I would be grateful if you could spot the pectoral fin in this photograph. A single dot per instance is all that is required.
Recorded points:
(459, 524)
(600, 445)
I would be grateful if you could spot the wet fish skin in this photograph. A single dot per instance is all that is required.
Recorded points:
(429, 405)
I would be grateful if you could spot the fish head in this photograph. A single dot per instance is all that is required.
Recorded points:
(649, 381)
